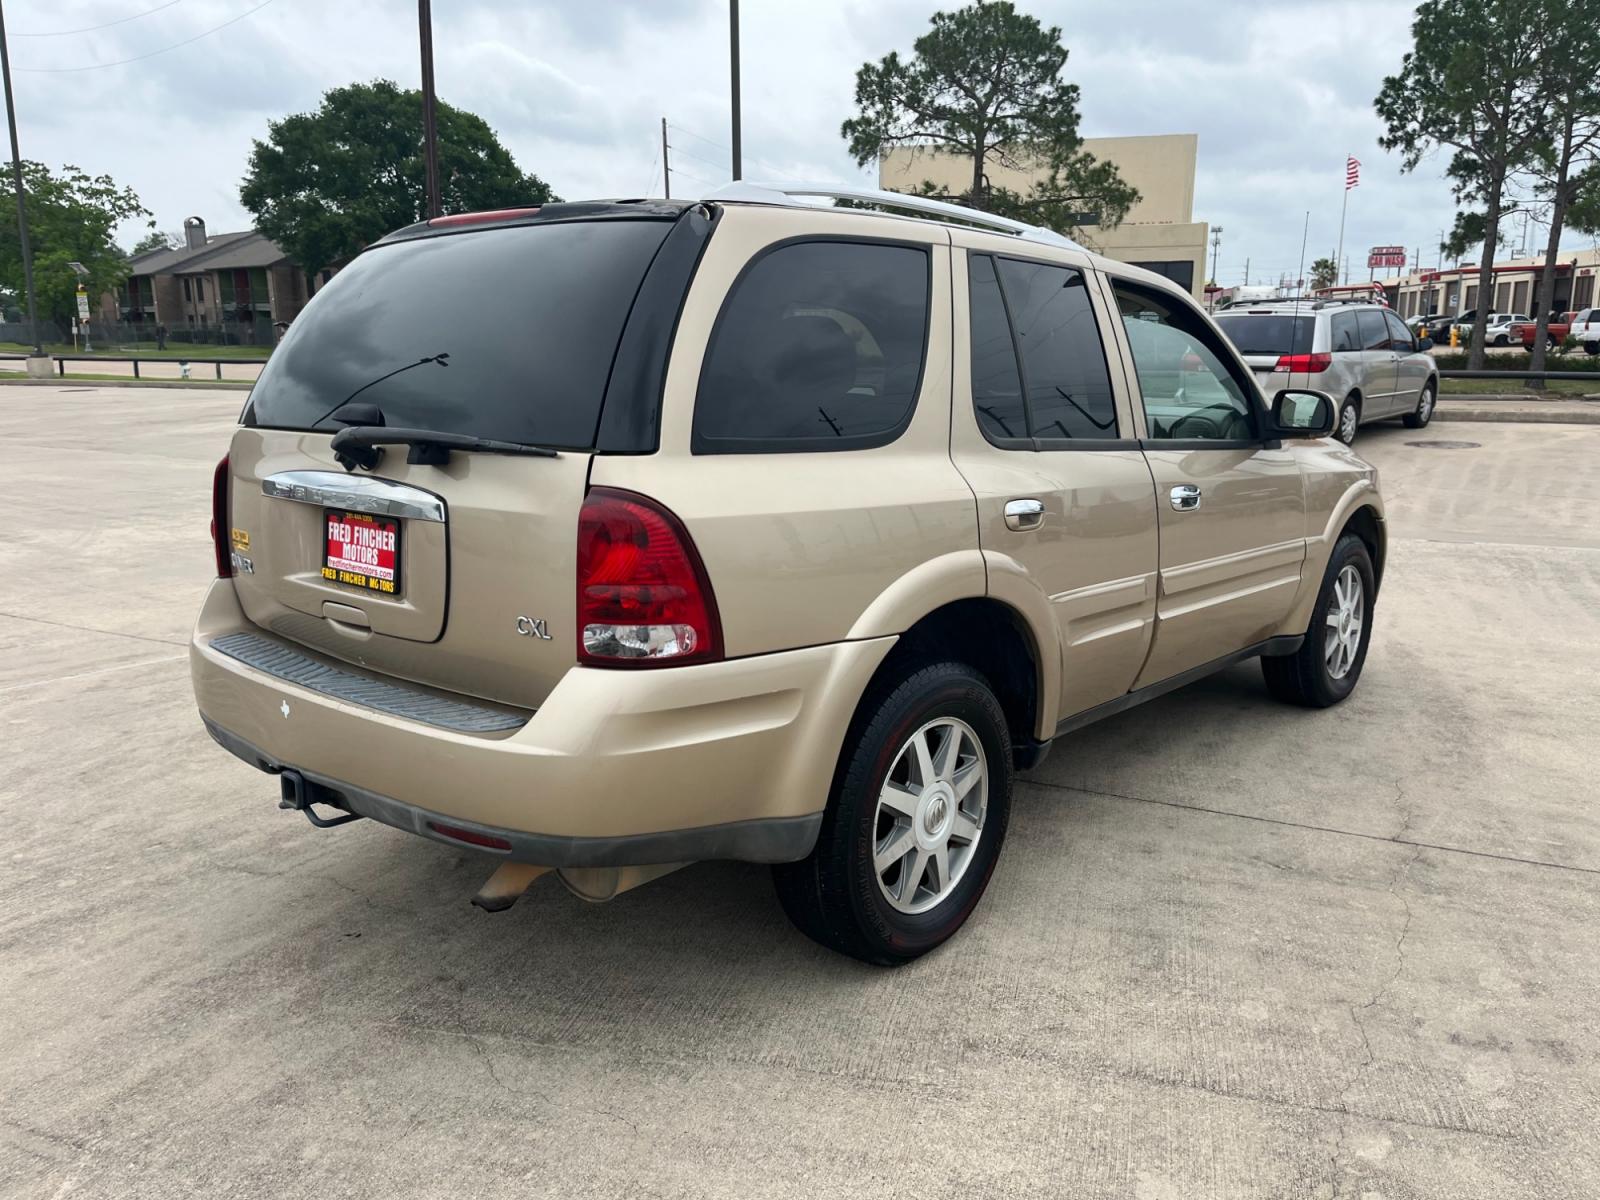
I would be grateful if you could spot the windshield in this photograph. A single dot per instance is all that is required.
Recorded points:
(504, 333)
(1269, 334)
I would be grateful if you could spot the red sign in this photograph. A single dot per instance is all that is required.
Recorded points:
(363, 551)
(1386, 256)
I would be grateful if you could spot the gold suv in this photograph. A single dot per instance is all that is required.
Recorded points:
(607, 537)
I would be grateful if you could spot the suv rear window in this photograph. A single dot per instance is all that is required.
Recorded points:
(819, 346)
(527, 319)
(1269, 334)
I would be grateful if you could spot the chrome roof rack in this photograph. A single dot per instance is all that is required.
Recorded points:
(785, 193)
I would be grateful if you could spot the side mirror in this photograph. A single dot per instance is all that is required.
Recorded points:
(1426, 343)
(1302, 413)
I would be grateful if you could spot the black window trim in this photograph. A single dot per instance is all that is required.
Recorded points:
(1032, 442)
(699, 443)
(1252, 390)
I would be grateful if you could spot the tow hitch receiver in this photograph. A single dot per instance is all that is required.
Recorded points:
(505, 887)
(300, 793)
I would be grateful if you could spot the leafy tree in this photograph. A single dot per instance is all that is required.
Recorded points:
(154, 240)
(1570, 80)
(72, 216)
(1468, 230)
(984, 85)
(1323, 272)
(327, 183)
(1471, 83)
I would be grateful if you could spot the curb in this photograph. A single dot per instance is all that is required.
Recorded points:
(233, 385)
(1565, 416)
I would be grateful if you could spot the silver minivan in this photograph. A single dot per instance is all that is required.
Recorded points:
(1361, 354)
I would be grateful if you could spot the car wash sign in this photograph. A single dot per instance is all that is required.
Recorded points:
(1386, 256)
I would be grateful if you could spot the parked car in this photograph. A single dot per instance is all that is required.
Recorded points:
(1361, 354)
(1556, 330)
(1586, 328)
(751, 529)
(1498, 330)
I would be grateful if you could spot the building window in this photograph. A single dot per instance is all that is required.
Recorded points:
(186, 290)
(200, 288)
(1583, 294)
(1180, 272)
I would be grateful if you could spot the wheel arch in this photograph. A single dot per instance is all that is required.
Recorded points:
(994, 639)
(1359, 511)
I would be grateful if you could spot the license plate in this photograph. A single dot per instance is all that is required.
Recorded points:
(362, 551)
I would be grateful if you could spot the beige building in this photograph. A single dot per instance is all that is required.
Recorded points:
(1159, 232)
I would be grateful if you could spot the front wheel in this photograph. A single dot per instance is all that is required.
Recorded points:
(1419, 417)
(1349, 420)
(1328, 664)
(915, 822)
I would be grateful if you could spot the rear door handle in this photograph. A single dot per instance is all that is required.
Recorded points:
(1023, 515)
(1186, 497)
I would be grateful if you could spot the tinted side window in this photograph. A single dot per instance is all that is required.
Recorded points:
(1374, 333)
(1342, 328)
(819, 346)
(1399, 335)
(996, 382)
(1188, 389)
(1063, 361)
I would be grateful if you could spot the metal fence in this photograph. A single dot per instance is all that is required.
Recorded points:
(61, 361)
(128, 335)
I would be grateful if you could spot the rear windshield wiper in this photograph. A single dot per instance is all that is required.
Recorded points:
(359, 445)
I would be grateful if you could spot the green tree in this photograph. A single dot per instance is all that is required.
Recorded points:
(1570, 80)
(154, 240)
(984, 85)
(327, 183)
(72, 217)
(1323, 272)
(1471, 83)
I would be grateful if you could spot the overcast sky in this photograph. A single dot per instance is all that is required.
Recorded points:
(1277, 92)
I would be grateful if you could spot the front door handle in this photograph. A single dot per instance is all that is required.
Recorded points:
(1185, 497)
(1022, 515)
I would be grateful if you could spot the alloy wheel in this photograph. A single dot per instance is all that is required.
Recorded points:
(1425, 405)
(1347, 424)
(1345, 618)
(930, 815)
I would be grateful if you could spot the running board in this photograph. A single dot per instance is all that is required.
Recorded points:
(1271, 648)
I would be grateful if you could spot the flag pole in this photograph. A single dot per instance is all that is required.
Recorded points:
(1338, 255)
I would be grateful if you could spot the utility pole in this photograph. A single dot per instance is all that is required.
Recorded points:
(666, 171)
(1216, 248)
(1247, 272)
(22, 207)
(430, 125)
(733, 71)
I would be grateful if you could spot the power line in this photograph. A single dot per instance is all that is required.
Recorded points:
(122, 62)
(106, 25)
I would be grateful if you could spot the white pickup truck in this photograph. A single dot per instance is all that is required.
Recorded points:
(1586, 328)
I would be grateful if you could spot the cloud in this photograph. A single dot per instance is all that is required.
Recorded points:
(1278, 94)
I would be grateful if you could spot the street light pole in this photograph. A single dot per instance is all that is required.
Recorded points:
(1216, 248)
(733, 63)
(16, 178)
(430, 127)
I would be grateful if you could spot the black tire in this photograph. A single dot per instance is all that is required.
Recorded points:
(1419, 417)
(1304, 677)
(1345, 430)
(1591, 347)
(1502, 340)
(834, 896)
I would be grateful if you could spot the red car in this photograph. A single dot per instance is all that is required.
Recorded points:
(1523, 331)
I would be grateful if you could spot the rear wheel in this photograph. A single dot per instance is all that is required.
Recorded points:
(1423, 413)
(1591, 347)
(1349, 420)
(915, 822)
(1328, 664)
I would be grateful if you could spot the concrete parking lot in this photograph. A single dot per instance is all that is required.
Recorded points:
(1232, 949)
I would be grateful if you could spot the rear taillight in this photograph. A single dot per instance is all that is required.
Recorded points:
(1303, 364)
(643, 596)
(221, 534)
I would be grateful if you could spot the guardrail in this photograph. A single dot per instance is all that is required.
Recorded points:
(1576, 376)
(61, 361)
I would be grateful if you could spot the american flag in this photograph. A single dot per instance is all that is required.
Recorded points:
(1352, 173)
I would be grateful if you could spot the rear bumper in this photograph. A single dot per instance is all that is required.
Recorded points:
(616, 768)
